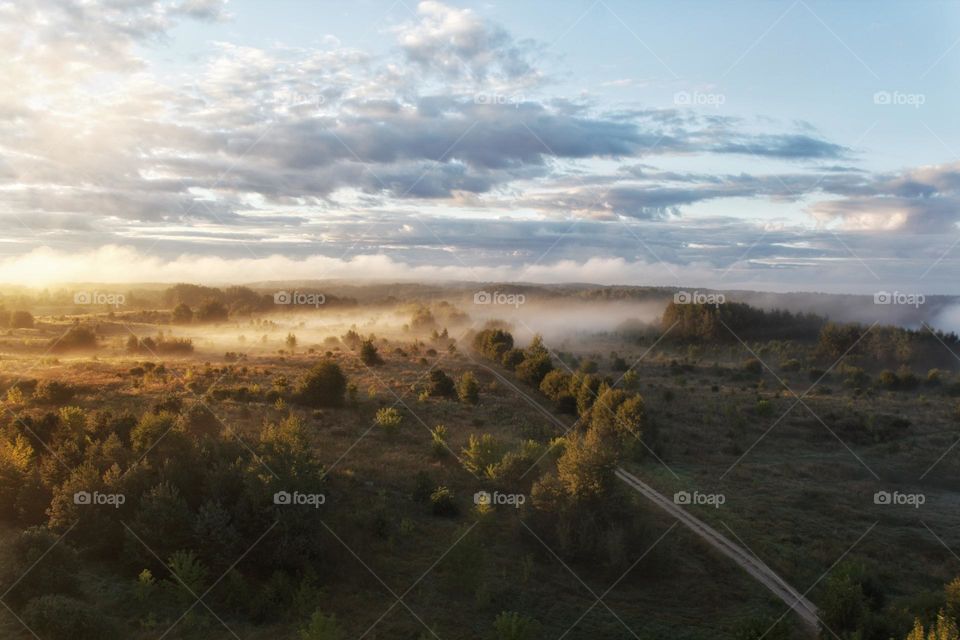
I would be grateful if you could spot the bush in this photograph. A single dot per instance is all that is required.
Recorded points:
(493, 343)
(511, 359)
(53, 392)
(182, 314)
(468, 389)
(211, 311)
(441, 385)
(443, 503)
(389, 419)
(56, 575)
(481, 453)
(534, 369)
(75, 339)
(322, 627)
(63, 618)
(323, 386)
(369, 355)
(21, 320)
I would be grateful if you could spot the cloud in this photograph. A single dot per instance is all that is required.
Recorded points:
(460, 45)
(921, 200)
(286, 149)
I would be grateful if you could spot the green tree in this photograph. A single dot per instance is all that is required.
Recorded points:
(323, 386)
(468, 389)
(369, 355)
(322, 627)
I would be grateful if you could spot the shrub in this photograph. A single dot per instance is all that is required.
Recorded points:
(888, 380)
(75, 339)
(389, 419)
(53, 392)
(323, 386)
(443, 503)
(493, 343)
(322, 627)
(211, 311)
(56, 617)
(441, 385)
(468, 389)
(534, 369)
(511, 359)
(182, 314)
(369, 355)
(481, 453)
(56, 575)
(21, 320)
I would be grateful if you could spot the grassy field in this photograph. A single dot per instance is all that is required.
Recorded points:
(798, 483)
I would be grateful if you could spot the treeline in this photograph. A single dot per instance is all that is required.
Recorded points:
(889, 345)
(725, 322)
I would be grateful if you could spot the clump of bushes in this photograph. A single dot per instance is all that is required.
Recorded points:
(160, 344)
(76, 338)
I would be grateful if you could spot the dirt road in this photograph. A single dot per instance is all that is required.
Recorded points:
(750, 563)
(746, 560)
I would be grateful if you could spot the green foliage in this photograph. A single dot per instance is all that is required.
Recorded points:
(441, 385)
(388, 419)
(481, 452)
(468, 389)
(443, 503)
(57, 617)
(493, 343)
(534, 369)
(512, 358)
(722, 322)
(322, 627)
(514, 626)
(323, 386)
(369, 354)
(29, 576)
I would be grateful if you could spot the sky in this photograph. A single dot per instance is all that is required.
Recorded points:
(773, 146)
